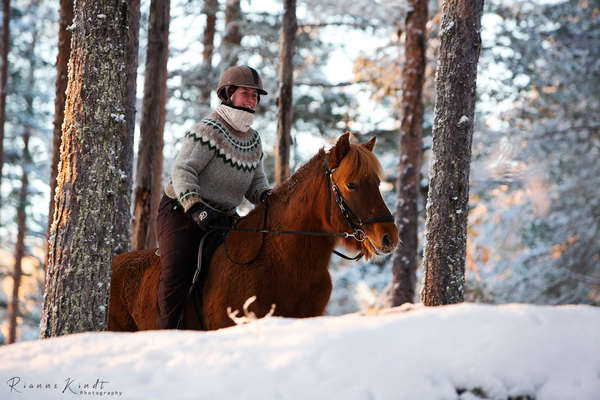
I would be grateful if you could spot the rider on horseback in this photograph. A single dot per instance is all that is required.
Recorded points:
(220, 163)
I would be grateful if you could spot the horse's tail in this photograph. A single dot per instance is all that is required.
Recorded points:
(133, 280)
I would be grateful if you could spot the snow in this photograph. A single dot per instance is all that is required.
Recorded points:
(409, 352)
(463, 121)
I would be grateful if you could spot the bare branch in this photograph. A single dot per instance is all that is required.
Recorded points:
(330, 85)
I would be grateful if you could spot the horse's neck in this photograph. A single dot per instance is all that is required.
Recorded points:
(300, 210)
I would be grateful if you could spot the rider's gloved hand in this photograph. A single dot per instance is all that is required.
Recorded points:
(264, 195)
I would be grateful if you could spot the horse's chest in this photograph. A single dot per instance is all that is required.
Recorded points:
(304, 298)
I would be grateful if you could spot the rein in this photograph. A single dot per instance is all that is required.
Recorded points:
(354, 222)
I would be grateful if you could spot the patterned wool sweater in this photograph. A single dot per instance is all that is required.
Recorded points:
(218, 166)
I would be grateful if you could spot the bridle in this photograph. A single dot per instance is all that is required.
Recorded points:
(354, 222)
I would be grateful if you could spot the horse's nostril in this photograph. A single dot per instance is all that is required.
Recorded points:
(385, 241)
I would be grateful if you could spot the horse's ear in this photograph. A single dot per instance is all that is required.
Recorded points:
(339, 151)
(370, 144)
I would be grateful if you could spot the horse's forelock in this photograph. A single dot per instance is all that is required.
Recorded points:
(359, 161)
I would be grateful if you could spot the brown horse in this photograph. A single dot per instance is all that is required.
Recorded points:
(289, 271)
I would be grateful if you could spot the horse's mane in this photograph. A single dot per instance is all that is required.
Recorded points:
(308, 171)
(358, 162)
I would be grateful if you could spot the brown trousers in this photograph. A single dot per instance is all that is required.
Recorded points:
(178, 240)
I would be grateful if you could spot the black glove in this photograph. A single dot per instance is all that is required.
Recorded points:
(204, 216)
(199, 216)
(263, 196)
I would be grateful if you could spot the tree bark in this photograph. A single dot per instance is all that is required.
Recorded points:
(92, 216)
(446, 221)
(13, 308)
(3, 79)
(208, 40)
(149, 163)
(62, 64)
(285, 97)
(410, 149)
(232, 38)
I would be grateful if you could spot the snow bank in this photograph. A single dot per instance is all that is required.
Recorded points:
(453, 352)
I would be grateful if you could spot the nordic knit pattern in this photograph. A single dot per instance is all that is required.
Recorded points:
(218, 166)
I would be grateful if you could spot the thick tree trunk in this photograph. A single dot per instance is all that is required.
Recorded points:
(3, 79)
(62, 69)
(409, 168)
(149, 164)
(91, 221)
(285, 96)
(233, 34)
(446, 223)
(13, 308)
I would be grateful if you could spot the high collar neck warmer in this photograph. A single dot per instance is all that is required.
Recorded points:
(238, 119)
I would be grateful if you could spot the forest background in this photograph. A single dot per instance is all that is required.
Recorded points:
(534, 208)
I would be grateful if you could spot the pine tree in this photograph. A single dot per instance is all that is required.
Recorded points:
(62, 63)
(13, 308)
(149, 163)
(3, 79)
(208, 40)
(232, 36)
(409, 167)
(545, 153)
(26, 167)
(92, 213)
(446, 222)
(285, 96)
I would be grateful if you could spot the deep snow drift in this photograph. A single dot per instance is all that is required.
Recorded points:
(464, 351)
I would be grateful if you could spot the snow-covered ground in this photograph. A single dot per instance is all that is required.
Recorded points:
(465, 351)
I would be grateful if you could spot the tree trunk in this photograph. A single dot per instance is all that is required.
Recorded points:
(285, 96)
(409, 168)
(208, 38)
(92, 216)
(233, 34)
(62, 63)
(3, 79)
(13, 308)
(446, 222)
(149, 163)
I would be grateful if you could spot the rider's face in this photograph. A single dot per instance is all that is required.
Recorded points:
(245, 97)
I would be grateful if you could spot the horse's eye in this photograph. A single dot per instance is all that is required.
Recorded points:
(352, 186)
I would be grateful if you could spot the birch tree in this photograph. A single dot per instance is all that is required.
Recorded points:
(446, 220)
(91, 217)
